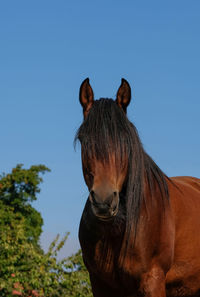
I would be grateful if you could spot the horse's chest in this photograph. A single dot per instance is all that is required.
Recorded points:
(104, 257)
(110, 265)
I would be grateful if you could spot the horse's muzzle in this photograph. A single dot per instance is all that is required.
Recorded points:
(104, 209)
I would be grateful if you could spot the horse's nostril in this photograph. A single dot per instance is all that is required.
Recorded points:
(115, 193)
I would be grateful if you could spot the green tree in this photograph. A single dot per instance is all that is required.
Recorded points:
(25, 270)
(77, 279)
(18, 189)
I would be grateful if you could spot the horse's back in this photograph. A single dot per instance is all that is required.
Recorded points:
(185, 195)
(184, 276)
(187, 181)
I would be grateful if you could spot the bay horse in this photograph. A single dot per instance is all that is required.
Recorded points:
(140, 230)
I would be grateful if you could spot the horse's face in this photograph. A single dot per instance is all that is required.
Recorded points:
(104, 178)
(104, 181)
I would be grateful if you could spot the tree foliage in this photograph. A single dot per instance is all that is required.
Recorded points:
(18, 189)
(25, 270)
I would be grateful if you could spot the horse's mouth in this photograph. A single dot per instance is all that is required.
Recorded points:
(109, 217)
(104, 219)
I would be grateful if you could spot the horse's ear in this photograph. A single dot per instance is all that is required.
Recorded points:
(123, 95)
(86, 96)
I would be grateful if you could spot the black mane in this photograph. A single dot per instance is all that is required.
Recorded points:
(107, 130)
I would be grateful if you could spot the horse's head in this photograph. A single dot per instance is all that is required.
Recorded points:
(105, 147)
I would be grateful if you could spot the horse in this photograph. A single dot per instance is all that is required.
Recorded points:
(140, 229)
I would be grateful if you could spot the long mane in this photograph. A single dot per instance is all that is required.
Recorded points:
(107, 130)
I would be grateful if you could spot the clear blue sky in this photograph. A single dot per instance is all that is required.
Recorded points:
(48, 47)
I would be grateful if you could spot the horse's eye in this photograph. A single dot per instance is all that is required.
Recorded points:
(89, 176)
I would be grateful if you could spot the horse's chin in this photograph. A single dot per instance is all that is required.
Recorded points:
(106, 218)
